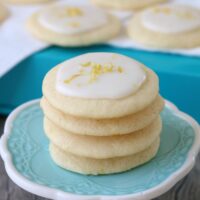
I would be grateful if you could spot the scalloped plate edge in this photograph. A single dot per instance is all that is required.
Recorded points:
(56, 194)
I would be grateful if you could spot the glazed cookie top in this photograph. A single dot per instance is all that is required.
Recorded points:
(72, 19)
(100, 76)
(171, 18)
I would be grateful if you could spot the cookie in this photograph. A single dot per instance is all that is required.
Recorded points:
(100, 86)
(103, 147)
(103, 127)
(86, 165)
(27, 1)
(126, 4)
(3, 13)
(166, 26)
(73, 25)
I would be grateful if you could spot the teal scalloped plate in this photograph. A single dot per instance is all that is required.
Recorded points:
(24, 149)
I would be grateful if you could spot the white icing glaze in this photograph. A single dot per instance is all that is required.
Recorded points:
(126, 78)
(72, 19)
(171, 18)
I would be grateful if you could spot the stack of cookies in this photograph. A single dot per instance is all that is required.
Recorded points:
(102, 113)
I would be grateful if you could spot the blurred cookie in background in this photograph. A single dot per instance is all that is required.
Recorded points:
(73, 25)
(166, 26)
(3, 13)
(126, 4)
(26, 1)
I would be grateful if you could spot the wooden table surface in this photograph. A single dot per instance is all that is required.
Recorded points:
(186, 189)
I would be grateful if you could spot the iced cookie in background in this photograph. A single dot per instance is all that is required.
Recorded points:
(26, 1)
(166, 26)
(3, 13)
(73, 25)
(126, 4)
(117, 98)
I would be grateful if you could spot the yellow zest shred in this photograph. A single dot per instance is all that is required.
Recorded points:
(164, 10)
(167, 11)
(186, 15)
(120, 69)
(68, 81)
(74, 12)
(87, 64)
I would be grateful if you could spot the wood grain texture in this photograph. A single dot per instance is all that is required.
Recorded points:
(187, 189)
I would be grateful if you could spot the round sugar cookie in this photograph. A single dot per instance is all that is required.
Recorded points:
(86, 165)
(124, 88)
(126, 4)
(103, 127)
(27, 1)
(3, 13)
(103, 147)
(166, 26)
(73, 25)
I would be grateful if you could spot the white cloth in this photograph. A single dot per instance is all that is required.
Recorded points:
(16, 43)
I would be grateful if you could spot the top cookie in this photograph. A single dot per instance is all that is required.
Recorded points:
(73, 25)
(126, 4)
(100, 85)
(3, 13)
(167, 26)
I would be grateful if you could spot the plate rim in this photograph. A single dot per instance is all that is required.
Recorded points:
(57, 194)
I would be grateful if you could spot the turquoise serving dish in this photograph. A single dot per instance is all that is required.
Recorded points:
(24, 149)
(179, 76)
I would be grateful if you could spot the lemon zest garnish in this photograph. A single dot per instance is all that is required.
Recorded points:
(164, 10)
(87, 64)
(70, 12)
(98, 66)
(186, 15)
(95, 70)
(93, 64)
(109, 67)
(68, 81)
(73, 12)
(105, 69)
(120, 69)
